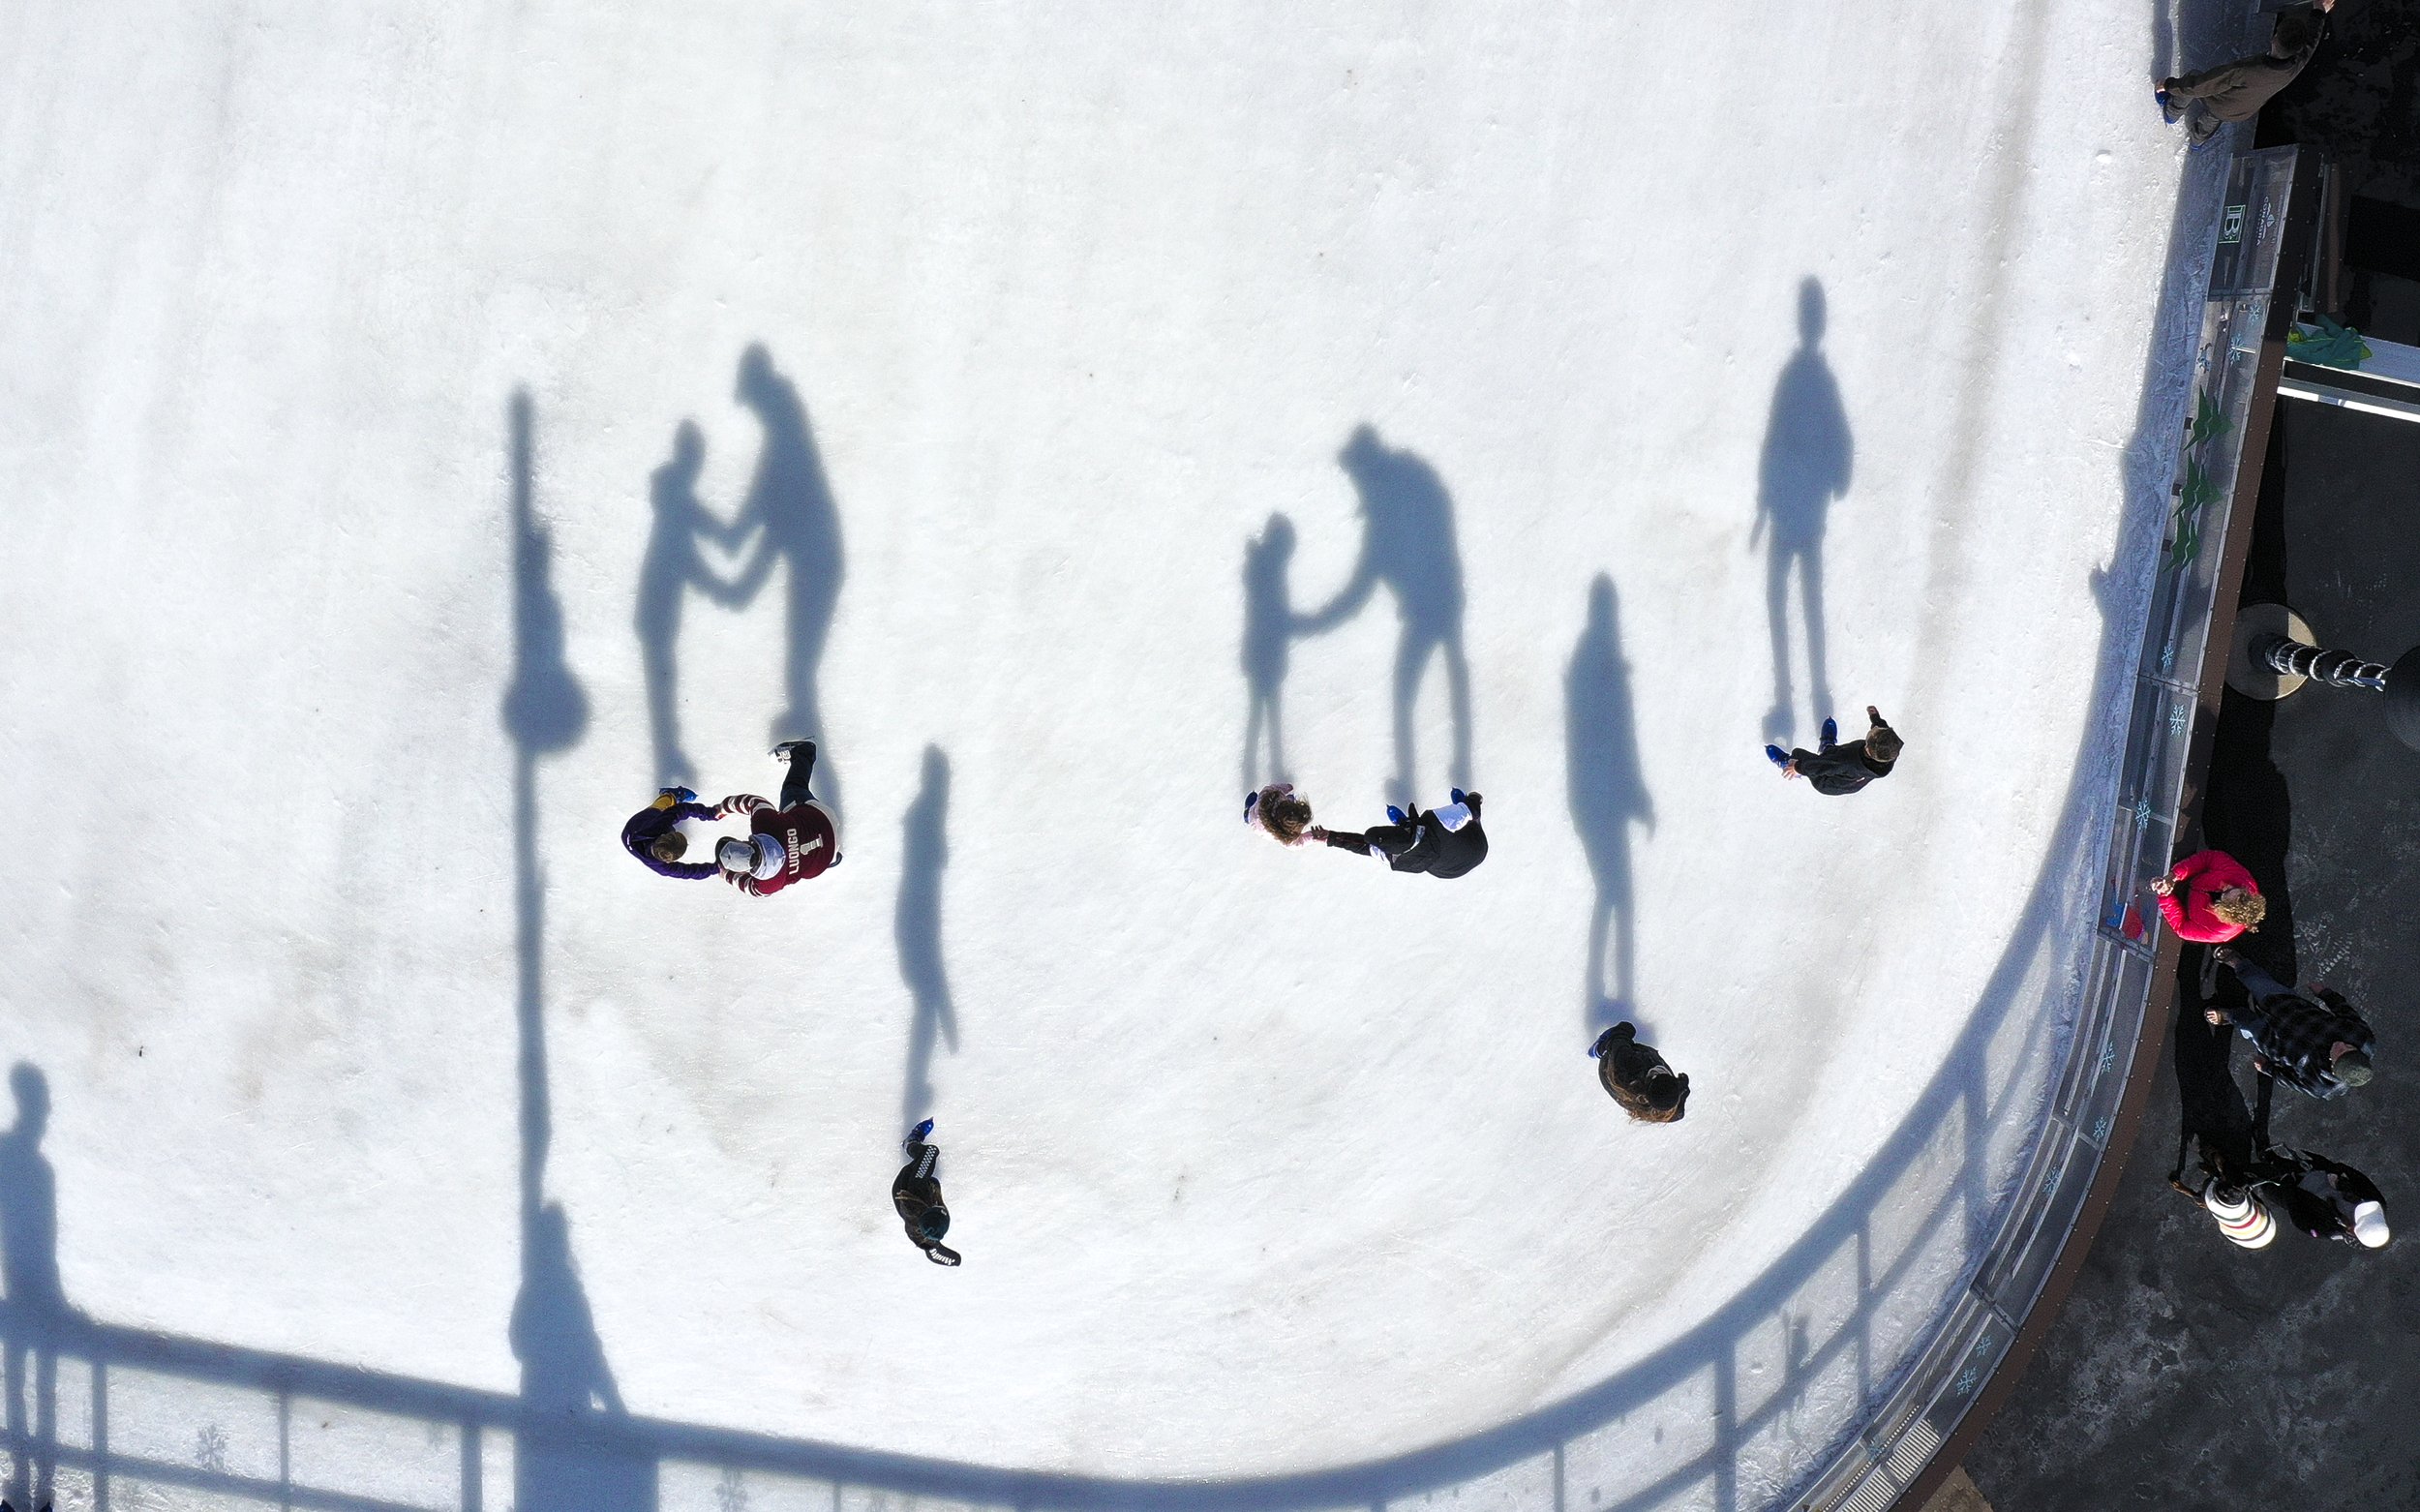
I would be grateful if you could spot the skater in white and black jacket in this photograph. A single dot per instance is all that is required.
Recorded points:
(916, 1191)
(1443, 842)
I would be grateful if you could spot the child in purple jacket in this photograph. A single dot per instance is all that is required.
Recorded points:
(654, 837)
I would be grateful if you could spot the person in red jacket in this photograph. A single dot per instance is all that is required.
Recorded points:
(790, 841)
(2208, 897)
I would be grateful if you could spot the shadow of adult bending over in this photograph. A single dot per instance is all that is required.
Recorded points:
(917, 929)
(565, 1459)
(1806, 464)
(1268, 636)
(790, 504)
(38, 1309)
(1408, 544)
(1608, 795)
(673, 565)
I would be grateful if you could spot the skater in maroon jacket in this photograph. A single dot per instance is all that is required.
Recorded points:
(787, 843)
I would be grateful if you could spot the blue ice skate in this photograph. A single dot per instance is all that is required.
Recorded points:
(917, 1133)
(1831, 731)
(1778, 756)
(1394, 815)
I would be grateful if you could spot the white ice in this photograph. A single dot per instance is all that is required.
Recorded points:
(1263, 1161)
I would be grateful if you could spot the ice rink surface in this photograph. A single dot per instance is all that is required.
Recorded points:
(1676, 374)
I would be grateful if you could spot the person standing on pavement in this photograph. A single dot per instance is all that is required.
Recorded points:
(1838, 770)
(2328, 1200)
(2313, 1041)
(2209, 898)
(2236, 91)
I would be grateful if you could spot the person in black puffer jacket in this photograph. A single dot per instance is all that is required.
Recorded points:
(916, 1191)
(1838, 770)
(1637, 1077)
(1443, 842)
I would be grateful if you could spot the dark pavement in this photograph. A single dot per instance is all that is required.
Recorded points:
(2184, 1373)
(2187, 1375)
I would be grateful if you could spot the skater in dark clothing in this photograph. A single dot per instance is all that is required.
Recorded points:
(1637, 1077)
(916, 1191)
(2310, 1039)
(653, 837)
(2236, 91)
(791, 841)
(1841, 769)
(2325, 1200)
(1443, 842)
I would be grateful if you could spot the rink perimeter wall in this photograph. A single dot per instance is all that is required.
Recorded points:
(1845, 1316)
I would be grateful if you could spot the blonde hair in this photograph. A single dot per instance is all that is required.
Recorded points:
(2241, 906)
(1284, 813)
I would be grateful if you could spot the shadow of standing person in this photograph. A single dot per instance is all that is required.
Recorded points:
(1807, 463)
(2211, 1112)
(1268, 636)
(916, 930)
(1408, 544)
(790, 501)
(1608, 795)
(37, 1303)
(561, 1459)
(670, 566)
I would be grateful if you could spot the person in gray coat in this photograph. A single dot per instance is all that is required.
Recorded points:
(2236, 91)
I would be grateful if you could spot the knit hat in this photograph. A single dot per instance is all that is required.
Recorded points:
(2352, 1068)
(2370, 1224)
(2242, 1220)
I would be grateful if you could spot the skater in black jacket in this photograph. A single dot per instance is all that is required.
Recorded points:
(1636, 1076)
(916, 1191)
(1838, 770)
(1443, 842)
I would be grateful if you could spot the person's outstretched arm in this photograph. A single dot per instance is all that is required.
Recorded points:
(1358, 844)
(1348, 599)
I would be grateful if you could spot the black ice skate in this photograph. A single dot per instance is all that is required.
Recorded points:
(786, 750)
